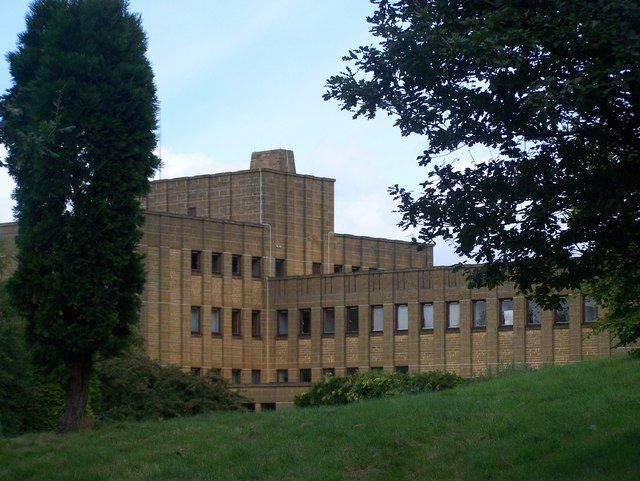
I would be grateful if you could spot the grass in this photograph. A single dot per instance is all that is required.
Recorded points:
(577, 422)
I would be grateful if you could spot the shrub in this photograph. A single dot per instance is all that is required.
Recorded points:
(371, 385)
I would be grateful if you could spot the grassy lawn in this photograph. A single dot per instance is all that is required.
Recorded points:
(577, 422)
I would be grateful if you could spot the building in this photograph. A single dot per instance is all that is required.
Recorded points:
(246, 275)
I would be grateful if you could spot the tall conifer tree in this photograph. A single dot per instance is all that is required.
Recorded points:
(78, 124)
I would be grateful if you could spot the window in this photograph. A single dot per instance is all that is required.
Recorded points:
(196, 371)
(216, 263)
(377, 319)
(267, 406)
(236, 322)
(215, 321)
(479, 314)
(352, 371)
(255, 376)
(316, 268)
(196, 324)
(305, 375)
(196, 261)
(373, 269)
(534, 313)
(283, 323)
(402, 317)
(338, 269)
(305, 322)
(255, 323)
(427, 316)
(562, 312)
(352, 319)
(377, 369)
(402, 369)
(256, 266)
(328, 372)
(192, 211)
(356, 268)
(236, 265)
(590, 310)
(280, 268)
(283, 375)
(236, 376)
(506, 312)
(328, 320)
(453, 315)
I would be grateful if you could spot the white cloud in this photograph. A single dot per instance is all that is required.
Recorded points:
(183, 164)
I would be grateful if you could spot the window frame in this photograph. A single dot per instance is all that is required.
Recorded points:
(280, 268)
(531, 302)
(256, 324)
(236, 272)
(328, 372)
(196, 262)
(256, 272)
(305, 371)
(423, 318)
(216, 263)
(255, 372)
(503, 319)
(449, 304)
(397, 318)
(236, 376)
(236, 323)
(303, 313)
(374, 308)
(198, 311)
(348, 328)
(286, 376)
(556, 311)
(475, 303)
(316, 268)
(279, 332)
(219, 331)
(324, 321)
(585, 299)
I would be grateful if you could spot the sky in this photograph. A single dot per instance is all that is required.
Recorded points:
(243, 76)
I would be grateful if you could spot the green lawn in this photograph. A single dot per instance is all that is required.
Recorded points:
(577, 422)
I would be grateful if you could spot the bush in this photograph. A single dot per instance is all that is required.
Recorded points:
(371, 385)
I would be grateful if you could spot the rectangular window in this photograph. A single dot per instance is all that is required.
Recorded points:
(255, 323)
(402, 317)
(427, 316)
(255, 376)
(236, 322)
(351, 371)
(316, 268)
(377, 318)
(305, 322)
(196, 321)
(305, 375)
(356, 268)
(283, 323)
(280, 268)
(328, 320)
(256, 266)
(283, 375)
(215, 321)
(590, 310)
(196, 261)
(562, 312)
(506, 312)
(216, 263)
(196, 371)
(352, 319)
(236, 265)
(453, 315)
(328, 372)
(402, 369)
(479, 314)
(192, 211)
(377, 369)
(534, 313)
(338, 269)
(236, 376)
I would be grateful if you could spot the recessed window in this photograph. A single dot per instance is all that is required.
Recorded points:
(356, 268)
(562, 312)
(267, 406)
(316, 268)
(236, 265)
(506, 312)
(236, 322)
(402, 317)
(283, 323)
(196, 261)
(255, 323)
(377, 369)
(215, 321)
(534, 313)
(328, 320)
(256, 266)
(351, 371)
(338, 269)
(427, 316)
(305, 322)
(377, 319)
(196, 321)
(328, 372)
(402, 369)
(282, 375)
(453, 315)
(255, 376)
(236, 376)
(192, 211)
(216, 263)
(280, 268)
(305, 375)
(196, 371)
(352, 319)
(590, 310)
(479, 314)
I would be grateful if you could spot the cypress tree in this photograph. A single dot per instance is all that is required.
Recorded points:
(78, 123)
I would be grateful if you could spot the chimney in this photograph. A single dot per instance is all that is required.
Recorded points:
(279, 159)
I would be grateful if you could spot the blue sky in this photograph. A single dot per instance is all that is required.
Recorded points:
(236, 77)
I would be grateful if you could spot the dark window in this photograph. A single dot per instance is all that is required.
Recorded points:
(479, 314)
(377, 369)
(305, 322)
(216, 263)
(256, 266)
(356, 268)
(255, 376)
(453, 315)
(236, 265)
(192, 211)
(283, 375)
(562, 312)
(283, 323)
(255, 323)
(196, 371)
(236, 322)
(352, 319)
(196, 261)
(267, 406)
(427, 316)
(251, 407)
(316, 268)
(377, 318)
(590, 308)
(215, 321)
(305, 375)
(506, 312)
(402, 317)
(236, 376)
(196, 321)
(280, 268)
(338, 269)
(328, 320)
(402, 369)
(534, 313)
(329, 372)
(373, 269)
(351, 371)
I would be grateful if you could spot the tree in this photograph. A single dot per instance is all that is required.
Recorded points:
(552, 90)
(78, 123)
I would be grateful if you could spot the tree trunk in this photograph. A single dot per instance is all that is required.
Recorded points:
(77, 392)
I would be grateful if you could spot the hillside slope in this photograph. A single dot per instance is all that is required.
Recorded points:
(577, 422)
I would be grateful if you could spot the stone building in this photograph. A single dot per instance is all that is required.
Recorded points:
(246, 275)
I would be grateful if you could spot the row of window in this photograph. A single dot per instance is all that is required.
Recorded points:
(282, 375)
(216, 324)
(236, 264)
